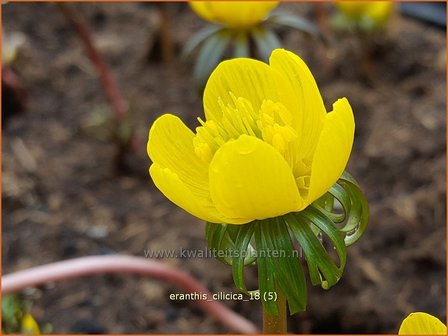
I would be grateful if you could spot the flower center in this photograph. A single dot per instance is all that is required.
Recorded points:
(272, 123)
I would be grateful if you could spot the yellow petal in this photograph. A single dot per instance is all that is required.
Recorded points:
(422, 324)
(233, 13)
(241, 77)
(29, 325)
(379, 11)
(305, 104)
(250, 179)
(333, 149)
(170, 145)
(352, 9)
(177, 192)
(177, 171)
(204, 9)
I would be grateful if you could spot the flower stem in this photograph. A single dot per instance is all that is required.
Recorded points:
(276, 324)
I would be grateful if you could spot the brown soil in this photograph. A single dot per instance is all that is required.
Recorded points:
(62, 197)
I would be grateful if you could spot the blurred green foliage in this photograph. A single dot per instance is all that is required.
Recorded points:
(16, 317)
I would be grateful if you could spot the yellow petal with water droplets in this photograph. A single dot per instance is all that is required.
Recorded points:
(422, 324)
(242, 77)
(250, 179)
(305, 104)
(333, 149)
(233, 13)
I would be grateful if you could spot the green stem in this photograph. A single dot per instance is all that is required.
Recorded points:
(276, 324)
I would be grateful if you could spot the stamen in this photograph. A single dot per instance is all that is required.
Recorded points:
(303, 183)
(275, 125)
(272, 123)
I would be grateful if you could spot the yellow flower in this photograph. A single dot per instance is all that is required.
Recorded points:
(234, 14)
(267, 148)
(12, 44)
(422, 324)
(377, 11)
(29, 325)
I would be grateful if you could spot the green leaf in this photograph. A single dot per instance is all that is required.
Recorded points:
(209, 57)
(283, 270)
(233, 230)
(230, 241)
(265, 269)
(355, 217)
(310, 245)
(11, 307)
(327, 227)
(291, 277)
(338, 192)
(265, 41)
(342, 22)
(242, 242)
(286, 267)
(325, 204)
(323, 270)
(241, 45)
(295, 22)
(198, 38)
(358, 217)
(217, 238)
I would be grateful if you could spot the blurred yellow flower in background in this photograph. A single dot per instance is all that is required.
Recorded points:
(12, 43)
(29, 325)
(378, 12)
(233, 14)
(422, 324)
(267, 148)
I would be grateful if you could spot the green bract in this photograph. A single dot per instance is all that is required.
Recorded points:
(319, 233)
(238, 29)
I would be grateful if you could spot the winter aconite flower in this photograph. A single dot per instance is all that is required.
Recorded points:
(29, 325)
(267, 146)
(422, 324)
(233, 13)
(366, 14)
(238, 29)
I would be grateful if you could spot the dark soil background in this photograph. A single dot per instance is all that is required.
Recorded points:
(63, 198)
